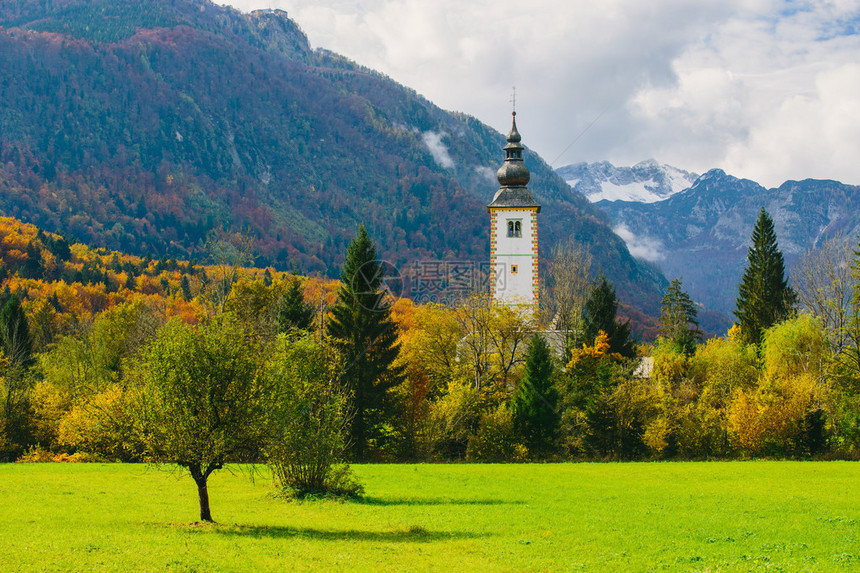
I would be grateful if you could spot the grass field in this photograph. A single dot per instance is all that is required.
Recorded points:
(597, 517)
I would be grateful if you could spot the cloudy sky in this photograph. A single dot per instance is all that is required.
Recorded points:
(765, 89)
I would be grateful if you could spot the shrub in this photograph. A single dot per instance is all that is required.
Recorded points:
(496, 439)
(36, 455)
(306, 451)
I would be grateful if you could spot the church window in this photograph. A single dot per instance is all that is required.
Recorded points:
(515, 228)
(513, 269)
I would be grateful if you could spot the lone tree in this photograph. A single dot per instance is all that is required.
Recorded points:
(764, 297)
(679, 318)
(601, 309)
(364, 332)
(203, 402)
(536, 400)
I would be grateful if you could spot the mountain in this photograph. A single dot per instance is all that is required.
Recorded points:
(645, 182)
(142, 125)
(702, 234)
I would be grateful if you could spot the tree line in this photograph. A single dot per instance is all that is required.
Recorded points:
(260, 370)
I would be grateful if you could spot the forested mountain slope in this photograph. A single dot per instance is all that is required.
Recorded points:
(142, 125)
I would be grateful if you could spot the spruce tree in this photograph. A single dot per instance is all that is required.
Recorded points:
(600, 312)
(535, 402)
(294, 312)
(185, 287)
(363, 330)
(679, 318)
(15, 335)
(764, 297)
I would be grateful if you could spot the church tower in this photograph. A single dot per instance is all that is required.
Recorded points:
(513, 231)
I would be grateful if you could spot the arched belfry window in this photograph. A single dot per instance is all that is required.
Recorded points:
(515, 228)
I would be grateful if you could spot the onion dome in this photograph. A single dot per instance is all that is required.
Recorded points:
(513, 175)
(513, 171)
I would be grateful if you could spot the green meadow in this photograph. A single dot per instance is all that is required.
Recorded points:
(734, 516)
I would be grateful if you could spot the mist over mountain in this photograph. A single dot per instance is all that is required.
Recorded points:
(143, 125)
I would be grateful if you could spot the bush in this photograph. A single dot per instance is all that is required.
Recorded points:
(36, 455)
(39, 455)
(496, 439)
(306, 451)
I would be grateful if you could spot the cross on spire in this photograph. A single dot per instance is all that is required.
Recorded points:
(514, 99)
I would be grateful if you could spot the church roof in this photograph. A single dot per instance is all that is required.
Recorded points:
(513, 175)
(514, 197)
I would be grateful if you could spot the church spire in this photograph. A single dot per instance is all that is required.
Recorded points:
(513, 172)
(513, 175)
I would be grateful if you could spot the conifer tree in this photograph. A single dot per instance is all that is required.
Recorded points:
(679, 318)
(17, 348)
(294, 312)
(764, 297)
(600, 312)
(363, 330)
(535, 402)
(15, 334)
(185, 287)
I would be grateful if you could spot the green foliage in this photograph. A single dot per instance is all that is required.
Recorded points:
(363, 330)
(535, 402)
(293, 310)
(310, 424)
(600, 313)
(796, 346)
(678, 322)
(202, 399)
(764, 297)
(103, 426)
(723, 366)
(496, 439)
(452, 421)
(16, 358)
(185, 288)
(99, 357)
(603, 407)
(15, 335)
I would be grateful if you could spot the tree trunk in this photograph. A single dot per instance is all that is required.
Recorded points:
(202, 492)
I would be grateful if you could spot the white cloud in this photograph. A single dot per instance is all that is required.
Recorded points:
(762, 88)
(486, 172)
(437, 149)
(646, 248)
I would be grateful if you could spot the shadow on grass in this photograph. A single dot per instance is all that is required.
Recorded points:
(412, 534)
(430, 501)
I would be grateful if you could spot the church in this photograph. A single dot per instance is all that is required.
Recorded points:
(514, 232)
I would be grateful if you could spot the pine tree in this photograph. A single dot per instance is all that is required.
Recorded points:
(17, 346)
(15, 334)
(185, 287)
(600, 312)
(679, 318)
(294, 312)
(764, 297)
(363, 330)
(536, 400)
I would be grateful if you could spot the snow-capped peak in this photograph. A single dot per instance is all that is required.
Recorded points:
(646, 182)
